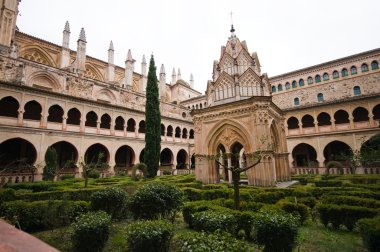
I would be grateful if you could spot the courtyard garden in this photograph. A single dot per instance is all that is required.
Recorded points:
(177, 213)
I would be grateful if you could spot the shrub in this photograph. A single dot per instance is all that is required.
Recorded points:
(211, 220)
(343, 215)
(66, 176)
(42, 215)
(216, 194)
(142, 167)
(50, 169)
(351, 201)
(300, 209)
(95, 174)
(70, 194)
(91, 231)
(156, 200)
(192, 194)
(269, 197)
(328, 183)
(276, 231)
(370, 232)
(7, 194)
(334, 164)
(35, 186)
(205, 242)
(112, 200)
(149, 236)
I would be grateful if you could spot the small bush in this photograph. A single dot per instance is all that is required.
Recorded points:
(205, 242)
(343, 215)
(95, 174)
(211, 221)
(66, 176)
(142, 168)
(328, 183)
(370, 232)
(156, 200)
(7, 194)
(192, 194)
(351, 201)
(91, 231)
(276, 231)
(42, 215)
(35, 186)
(300, 209)
(112, 200)
(269, 197)
(149, 236)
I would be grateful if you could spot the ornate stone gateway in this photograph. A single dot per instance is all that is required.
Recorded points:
(240, 122)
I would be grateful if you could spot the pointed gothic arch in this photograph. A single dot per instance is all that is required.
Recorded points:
(93, 73)
(37, 54)
(44, 80)
(105, 95)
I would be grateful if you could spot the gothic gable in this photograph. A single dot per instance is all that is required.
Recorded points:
(37, 54)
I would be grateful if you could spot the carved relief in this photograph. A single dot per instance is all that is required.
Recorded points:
(79, 87)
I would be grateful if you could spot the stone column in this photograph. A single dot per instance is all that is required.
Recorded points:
(333, 127)
(352, 125)
(20, 118)
(82, 125)
(64, 122)
(98, 127)
(229, 163)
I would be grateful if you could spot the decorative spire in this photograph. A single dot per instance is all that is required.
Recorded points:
(82, 35)
(232, 29)
(174, 77)
(143, 60)
(129, 56)
(111, 47)
(191, 81)
(173, 73)
(179, 77)
(67, 27)
(162, 70)
(191, 77)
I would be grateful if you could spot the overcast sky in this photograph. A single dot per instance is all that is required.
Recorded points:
(287, 35)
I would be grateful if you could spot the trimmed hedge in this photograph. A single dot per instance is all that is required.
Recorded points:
(156, 200)
(328, 183)
(91, 231)
(149, 236)
(299, 209)
(370, 232)
(211, 220)
(351, 201)
(194, 194)
(35, 186)
(276, 231)
(42, 215)
(269, 197)
(205, 242)
(112, 200)
(69, 194)
(343, 215)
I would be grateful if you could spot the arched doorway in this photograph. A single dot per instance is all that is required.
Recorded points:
(166, 158)
(182, 159)
(67, 155)
(304, 155)
(124, 158)
(17, 154)
(92, 154)
(337, 151)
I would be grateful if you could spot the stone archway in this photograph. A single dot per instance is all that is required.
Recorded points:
(337, 151)
(182, 159)
(166, 158)
(124, 158)
(304, 155)
(92, 153)
(67, 155)
(17, 154)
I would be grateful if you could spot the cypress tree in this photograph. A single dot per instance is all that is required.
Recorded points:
(152, 122)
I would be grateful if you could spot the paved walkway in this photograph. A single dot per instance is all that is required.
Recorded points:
(286, 184)
(14, 240)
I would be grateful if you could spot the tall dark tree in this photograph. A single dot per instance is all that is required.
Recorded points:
(153, 123)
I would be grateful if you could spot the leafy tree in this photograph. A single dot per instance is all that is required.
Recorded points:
(153, 123)
(51, 167)
(89, 167)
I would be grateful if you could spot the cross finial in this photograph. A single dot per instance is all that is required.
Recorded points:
(232, 24)
(231, 13)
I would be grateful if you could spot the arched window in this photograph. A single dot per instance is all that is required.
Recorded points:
(287, 86)
(353, 70)
(317, 78)
(296, 101)
(273, 89)
(374, 65)
(294, 84)
(344, 72)
(293, 123)
(279, 87)
(105, 121)
(73, 116)
(335, 74)
(119, 123)
(325, 76)
(364, 67)
(357, 90)
(91, 119)
(301, 83)
(9, 107)
(320, 97)
(55, 114)
(310, 80)
(32, 111)
(360, 114)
